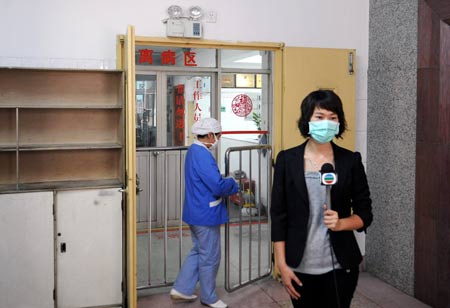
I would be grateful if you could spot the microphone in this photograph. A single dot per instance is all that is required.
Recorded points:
(328, 177)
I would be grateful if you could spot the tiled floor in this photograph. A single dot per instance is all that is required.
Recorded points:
(371, 293)
(159, 260)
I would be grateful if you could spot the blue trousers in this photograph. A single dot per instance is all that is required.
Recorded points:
(201, 264)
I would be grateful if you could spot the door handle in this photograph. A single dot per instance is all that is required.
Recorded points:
(350, 64)
(124, 190)
(63, 247)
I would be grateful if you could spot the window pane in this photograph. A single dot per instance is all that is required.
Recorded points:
(174, 56)
(188, 100)
(145, 110)
(240, 111)
(245, 112)
(251, 59)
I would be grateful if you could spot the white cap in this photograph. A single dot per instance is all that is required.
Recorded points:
(205, 126)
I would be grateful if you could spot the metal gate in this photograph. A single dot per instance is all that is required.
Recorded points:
(160, 230)
(248, 249)
(163, 239)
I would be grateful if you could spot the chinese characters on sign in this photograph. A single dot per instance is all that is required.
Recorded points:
(242, 105)
(168, 57)
(197, 96)
(189, 58)
(179, 116)
(145, 56)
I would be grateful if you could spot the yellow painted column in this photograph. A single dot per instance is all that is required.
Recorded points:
(130, 167)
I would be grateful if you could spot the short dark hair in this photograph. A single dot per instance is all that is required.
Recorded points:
(324, 99)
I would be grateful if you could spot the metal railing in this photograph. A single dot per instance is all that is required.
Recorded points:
(252, 214)
(160, 235)
(157, 261)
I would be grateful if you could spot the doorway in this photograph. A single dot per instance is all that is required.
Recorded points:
(175, 87)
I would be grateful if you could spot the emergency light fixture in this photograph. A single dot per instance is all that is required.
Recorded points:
(175, 11)
(178, 25)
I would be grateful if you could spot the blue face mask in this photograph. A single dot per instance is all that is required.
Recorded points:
(323, 131)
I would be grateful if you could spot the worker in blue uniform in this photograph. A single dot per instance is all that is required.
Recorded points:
(204, 211)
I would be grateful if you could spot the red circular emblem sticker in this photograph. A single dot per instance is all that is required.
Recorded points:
(242, 105)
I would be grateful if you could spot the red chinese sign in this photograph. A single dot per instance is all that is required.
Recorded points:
(189, 59)
(145, 56)
(179, 123)
(242, 105)
(168, 57)
(197, 96)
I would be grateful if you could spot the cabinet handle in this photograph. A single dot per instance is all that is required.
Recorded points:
(63, 247)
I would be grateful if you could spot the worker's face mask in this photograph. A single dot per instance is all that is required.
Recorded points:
(215, 144)
(323, 131)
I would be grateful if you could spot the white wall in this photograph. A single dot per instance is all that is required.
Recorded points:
(82, 33)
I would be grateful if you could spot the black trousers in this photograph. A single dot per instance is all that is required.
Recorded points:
(319, 291)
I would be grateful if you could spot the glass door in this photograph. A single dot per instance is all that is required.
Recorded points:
(146, 110)
(167, 105)
(188, 100)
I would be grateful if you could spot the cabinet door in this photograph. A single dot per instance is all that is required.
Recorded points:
(26, 250)
(89, 247)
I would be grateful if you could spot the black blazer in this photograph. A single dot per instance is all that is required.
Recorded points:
(290, 205)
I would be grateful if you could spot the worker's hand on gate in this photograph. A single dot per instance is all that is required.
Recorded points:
(235, 188)
(331, 219)
(289, 278)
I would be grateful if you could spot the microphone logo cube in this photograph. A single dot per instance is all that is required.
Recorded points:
(329, 178)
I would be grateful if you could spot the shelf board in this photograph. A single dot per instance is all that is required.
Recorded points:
(83, 146)
(55, 69)
(60, 89)
(7, 188)
(7, 147)
(62, 106)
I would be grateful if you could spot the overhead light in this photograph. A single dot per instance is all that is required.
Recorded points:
(184, 26)
(175, 11)
(195, 12)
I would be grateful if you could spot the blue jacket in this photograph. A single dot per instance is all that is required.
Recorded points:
(204, 188)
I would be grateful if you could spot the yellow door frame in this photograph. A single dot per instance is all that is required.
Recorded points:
(127, 56)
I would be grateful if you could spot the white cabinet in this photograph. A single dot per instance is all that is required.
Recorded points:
(26, 250)
(87, 239)
(89, 248)
(61, 133)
